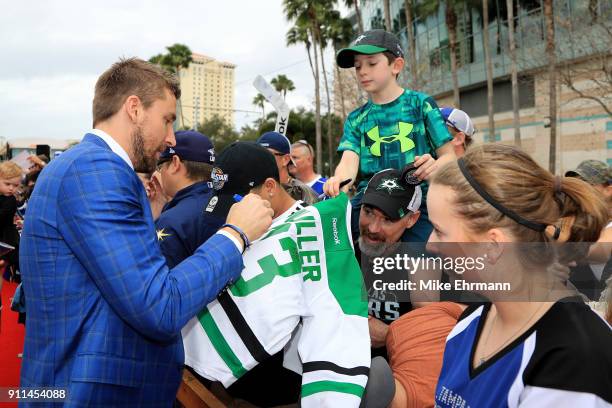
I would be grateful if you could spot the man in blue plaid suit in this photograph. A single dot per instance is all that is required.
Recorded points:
(104, 310)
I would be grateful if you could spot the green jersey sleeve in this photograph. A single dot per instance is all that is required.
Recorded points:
(435, 128)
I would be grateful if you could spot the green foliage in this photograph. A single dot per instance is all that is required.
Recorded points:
(338, 30)
(259, 100)
(219, 131)
(301, 126)
(282, 84)
(177, 57)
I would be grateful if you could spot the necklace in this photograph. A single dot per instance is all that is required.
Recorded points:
(484, 358)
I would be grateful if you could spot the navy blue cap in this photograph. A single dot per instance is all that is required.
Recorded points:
(276, 141)
(191, 146)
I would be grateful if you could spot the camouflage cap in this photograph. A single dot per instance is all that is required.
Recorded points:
(593, 172)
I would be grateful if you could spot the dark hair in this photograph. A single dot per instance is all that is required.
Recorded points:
(198, 171)
(127, 77)
(390, 56)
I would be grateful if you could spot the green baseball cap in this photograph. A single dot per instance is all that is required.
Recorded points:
(593, 172)
(370, 42)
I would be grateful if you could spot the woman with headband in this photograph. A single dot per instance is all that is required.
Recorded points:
(529, 347)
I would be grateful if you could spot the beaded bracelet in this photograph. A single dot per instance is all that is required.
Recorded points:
(243, 236)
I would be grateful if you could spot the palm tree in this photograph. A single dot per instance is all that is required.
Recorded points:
(355, 4)
(300, 35)
(408, 9)
(178, 56)
(451, 24)
(306, 14)
(513, 74)
(327, 20)
(387, 10)
(259, 101)
(340, 33)
(489, 66)
(429, 8)
(549, 18)
(282, 84)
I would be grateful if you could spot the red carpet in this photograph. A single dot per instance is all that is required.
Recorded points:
(11, 341)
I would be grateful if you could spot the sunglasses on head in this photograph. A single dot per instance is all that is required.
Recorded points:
(305, 143)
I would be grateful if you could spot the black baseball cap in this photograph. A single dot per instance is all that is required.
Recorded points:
(370, 42)
(190, 146)
(245, 165)
(390, 192)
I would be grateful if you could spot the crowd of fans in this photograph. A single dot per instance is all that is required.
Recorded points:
(433, 187)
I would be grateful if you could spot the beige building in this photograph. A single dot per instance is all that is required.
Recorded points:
(584, 129)
(207, 89)
(584, 85)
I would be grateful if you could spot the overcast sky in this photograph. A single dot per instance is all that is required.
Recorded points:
(51, 54)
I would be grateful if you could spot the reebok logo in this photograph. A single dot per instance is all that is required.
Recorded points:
(335, 231)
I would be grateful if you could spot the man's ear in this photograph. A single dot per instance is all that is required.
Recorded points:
(411, 219)
(270, 186)
(175, 164)
(133, 107)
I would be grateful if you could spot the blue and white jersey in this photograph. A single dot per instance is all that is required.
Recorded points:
(563, 360)
(317, 184)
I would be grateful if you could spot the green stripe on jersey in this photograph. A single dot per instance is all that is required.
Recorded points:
(344, 275)
(221, 346)
(333, 386)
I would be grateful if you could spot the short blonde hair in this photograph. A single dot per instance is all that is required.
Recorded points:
(9, 170)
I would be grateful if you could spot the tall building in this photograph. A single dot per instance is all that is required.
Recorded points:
(207, 89)
(583, 31)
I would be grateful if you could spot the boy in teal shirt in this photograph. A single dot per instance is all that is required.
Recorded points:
(395, 127)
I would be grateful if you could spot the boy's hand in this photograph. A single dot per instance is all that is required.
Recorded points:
(425, 165)
(332, 186)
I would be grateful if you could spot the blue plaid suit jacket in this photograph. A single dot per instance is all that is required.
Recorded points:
(104, 312)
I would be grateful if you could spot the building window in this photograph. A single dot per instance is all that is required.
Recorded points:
(474, 101)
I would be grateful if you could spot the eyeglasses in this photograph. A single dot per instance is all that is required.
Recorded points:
(305, 143)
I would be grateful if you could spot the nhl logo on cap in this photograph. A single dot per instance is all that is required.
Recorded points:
(218, 178)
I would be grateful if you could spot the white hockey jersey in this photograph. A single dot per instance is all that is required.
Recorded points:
(302, 273)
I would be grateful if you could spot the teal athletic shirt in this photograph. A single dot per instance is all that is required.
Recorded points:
(391, 135)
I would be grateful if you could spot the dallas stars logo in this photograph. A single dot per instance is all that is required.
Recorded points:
(161, 234)
(359, 39)
(389, 184)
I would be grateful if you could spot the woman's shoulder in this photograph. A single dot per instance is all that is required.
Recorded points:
(572, 351)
